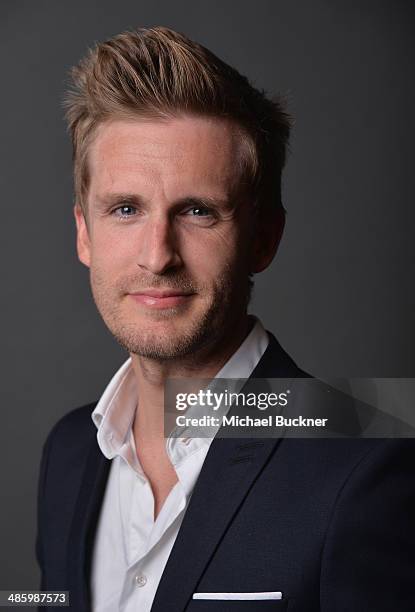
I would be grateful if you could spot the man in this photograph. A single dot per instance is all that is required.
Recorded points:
(177, 164)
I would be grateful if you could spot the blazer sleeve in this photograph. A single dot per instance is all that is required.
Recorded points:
(368, 560)
(40, 498)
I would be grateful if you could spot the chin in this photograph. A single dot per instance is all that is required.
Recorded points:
(155, 348)
(167, 339)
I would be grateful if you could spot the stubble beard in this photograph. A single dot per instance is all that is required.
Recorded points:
(228, 301)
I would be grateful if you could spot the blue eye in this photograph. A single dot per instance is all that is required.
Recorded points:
(126, 210)
(199, 215)
(200, 211)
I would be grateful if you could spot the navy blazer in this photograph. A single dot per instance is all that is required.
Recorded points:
(328, 522)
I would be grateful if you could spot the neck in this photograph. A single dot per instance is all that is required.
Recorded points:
(152, 374)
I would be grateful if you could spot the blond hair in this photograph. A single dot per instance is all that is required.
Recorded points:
(159, 73)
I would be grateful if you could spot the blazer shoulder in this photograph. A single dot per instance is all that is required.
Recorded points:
(67, 447)
(76, 423)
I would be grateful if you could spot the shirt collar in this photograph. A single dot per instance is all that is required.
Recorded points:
(114, 414)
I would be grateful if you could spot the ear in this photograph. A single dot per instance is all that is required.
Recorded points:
(269, 229)
(83, 244)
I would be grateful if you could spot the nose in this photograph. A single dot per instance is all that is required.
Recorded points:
(158, 246)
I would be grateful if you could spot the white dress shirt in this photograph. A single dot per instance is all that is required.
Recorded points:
(131, 549)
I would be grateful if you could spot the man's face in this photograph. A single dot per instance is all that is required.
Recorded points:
(168, 242)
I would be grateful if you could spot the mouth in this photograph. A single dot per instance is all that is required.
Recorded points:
(161, 298)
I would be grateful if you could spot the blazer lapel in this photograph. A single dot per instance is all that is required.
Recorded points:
(84, 525)
(229, 471)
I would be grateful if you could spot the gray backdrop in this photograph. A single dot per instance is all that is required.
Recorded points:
(340, 295)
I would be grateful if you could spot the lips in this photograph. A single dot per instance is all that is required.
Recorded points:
(161, 293)
(161, 298)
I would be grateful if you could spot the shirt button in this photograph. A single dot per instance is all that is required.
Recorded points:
(140, 581)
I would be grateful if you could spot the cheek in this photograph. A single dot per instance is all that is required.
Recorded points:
(215, 258)
(208, 253)
(110, 250)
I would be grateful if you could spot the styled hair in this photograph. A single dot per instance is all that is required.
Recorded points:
(158, 73)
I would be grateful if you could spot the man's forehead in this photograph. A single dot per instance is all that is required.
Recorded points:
(206, 149)
(157, 137)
